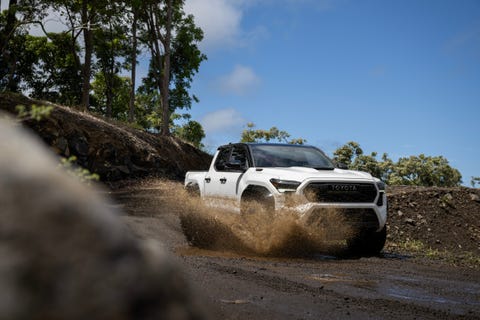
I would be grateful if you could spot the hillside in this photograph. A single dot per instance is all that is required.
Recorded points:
(111, 149)
(438, 222)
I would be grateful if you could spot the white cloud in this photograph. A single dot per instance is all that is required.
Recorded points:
(221, 22)
(226, 120)
(219, 19)
(241, 81)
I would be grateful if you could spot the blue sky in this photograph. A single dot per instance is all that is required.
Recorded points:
(401, 77)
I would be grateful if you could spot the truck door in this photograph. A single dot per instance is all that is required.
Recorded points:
(228, 169)
(212, 187)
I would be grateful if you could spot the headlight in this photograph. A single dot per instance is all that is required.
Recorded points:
(381, 185)
(285, 185)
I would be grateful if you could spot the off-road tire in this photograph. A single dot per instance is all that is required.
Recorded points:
(367, 243)
(193, 190)
(254, 202)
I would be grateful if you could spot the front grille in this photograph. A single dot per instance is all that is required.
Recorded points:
(340, 192)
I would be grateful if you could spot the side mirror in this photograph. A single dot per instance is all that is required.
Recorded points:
(341, 165)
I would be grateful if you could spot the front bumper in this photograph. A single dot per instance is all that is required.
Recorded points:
(371, 215)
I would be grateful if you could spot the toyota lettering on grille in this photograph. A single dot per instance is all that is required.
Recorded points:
(344, 187)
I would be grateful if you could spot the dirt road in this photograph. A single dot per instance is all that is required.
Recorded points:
(321, 286)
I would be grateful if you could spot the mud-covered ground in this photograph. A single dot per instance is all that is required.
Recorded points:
(256, 269)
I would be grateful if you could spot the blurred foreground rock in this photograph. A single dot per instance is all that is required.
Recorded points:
(65, 255)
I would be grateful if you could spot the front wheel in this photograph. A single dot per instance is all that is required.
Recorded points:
(257, 203)
(368, 243)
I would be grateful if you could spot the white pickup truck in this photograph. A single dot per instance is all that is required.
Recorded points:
(273, 174)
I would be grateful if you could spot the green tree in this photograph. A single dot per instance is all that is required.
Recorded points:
(351, 154)
(258, 135)
(135, 8)
(172, 39)
(110, 47)
(424, 170)
(83, 17)
(53, 72)
(118, 103)
(347, 153)
(14, 23)
(414, 170)
(192, 131)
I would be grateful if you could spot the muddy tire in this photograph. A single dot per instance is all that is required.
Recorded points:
(193, 190)
(257, 203)
(368, 243)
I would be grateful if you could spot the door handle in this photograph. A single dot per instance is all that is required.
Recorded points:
(223, 180)
(207, 180)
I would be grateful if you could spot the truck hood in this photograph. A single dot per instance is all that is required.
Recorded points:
(301, 174)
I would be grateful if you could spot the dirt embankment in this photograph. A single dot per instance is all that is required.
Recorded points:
(434, 219)
(113, 150)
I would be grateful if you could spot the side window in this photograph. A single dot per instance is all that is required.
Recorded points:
(239, 155)
(222, 159)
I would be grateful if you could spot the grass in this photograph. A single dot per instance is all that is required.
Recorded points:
(419, 249)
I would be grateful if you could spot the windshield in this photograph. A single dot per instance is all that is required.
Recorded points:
(290, 156)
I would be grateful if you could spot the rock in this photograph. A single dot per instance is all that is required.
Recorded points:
(475, 197)
(61, 146)
(65, 255)
(409, 221)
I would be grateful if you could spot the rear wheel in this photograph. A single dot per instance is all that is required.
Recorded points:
(368, 243)
(193, 190)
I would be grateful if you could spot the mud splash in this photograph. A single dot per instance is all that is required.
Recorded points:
(279, 234)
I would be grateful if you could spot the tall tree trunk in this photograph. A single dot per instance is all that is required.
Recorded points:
(8, 57)
(131, 104)
(166, 72)
(9, 26)
(109, 73)
(87, 66)
(108, 92)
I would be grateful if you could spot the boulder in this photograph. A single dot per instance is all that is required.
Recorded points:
(64, 253)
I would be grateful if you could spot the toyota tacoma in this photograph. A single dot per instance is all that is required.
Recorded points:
(274, 174)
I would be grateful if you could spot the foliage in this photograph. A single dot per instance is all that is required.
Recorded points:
(192, 131)
(84, 175)
(258, 135)
(425, 171)
(418, 170)
(172, 39)
(118, 101)
(54, 70)
(474, 181)
(103, 39)
(36, 113)
(14, 22)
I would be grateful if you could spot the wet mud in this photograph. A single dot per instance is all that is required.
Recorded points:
(264, 268)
